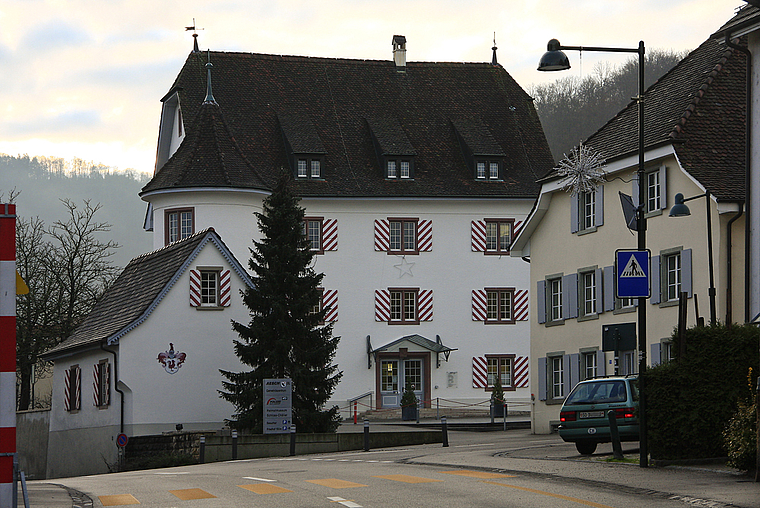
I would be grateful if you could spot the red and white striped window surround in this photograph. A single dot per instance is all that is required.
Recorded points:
(480, 304)
(478, 233)
(520, 374)
(223, 294)
(424, 233)
(72, 388)
(424, 307)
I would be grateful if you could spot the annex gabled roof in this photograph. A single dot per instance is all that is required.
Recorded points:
(138, 290)
(339, 99)
(699, 108)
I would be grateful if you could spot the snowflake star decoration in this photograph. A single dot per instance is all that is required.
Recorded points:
(582, 170)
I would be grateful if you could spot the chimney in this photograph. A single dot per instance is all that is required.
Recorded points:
(399, 52)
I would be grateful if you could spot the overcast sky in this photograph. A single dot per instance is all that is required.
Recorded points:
(84, 78)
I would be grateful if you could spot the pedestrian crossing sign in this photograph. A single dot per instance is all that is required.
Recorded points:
(632, 273)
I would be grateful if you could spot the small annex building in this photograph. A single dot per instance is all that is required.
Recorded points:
(141, 361)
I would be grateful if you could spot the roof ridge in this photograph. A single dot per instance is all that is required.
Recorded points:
(174, 244)
(701, 91)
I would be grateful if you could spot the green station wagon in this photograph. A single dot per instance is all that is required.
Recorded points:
(583, 417)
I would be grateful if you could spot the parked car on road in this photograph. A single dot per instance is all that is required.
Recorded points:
(583, 417)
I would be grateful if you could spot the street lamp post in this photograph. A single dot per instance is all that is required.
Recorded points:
(555, 60)
(681, 210)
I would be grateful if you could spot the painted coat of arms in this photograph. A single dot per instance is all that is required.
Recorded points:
(171, 360)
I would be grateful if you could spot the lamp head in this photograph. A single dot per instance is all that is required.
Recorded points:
(679, 209)
(554, 59)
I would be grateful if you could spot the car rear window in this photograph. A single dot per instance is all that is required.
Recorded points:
(598, 392)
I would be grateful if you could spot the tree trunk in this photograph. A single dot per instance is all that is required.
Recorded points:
(25, 388)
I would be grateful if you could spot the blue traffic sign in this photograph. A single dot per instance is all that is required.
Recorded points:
(632, 273)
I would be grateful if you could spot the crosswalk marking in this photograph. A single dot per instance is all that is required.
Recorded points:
(478, 474)
(549, 494)
(190, 494)
(118, 499)
(264, 488)
(345, 502)
(257, 479)
(335, 483)
(407, 479)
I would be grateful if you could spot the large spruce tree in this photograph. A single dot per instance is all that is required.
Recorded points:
(285, 338)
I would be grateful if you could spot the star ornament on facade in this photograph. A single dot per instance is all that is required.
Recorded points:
(582, 170)
(405, 268)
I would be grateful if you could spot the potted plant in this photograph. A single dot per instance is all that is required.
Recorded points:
(497, 399)
(409, 404)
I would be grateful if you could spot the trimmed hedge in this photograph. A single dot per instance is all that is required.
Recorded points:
(691, 400)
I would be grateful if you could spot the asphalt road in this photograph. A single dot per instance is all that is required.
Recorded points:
(505, 469)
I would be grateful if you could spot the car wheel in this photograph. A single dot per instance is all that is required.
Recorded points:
(585, 447)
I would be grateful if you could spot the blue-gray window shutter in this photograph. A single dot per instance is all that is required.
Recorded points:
(574, 226)
(599, 219)
(654, 281)
(609, 288)
(541, 301)
(601, 365)
(654, 355)
(542, 378)
(599, 290)
(570, 296)
(566, 375)
(686, 283)
(575, 370)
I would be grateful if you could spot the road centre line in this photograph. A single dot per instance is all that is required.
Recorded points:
(257, 479)
(345, 502)
(474, 445)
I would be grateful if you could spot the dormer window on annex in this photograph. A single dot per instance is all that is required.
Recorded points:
(304, 148)
(394, 151)
(482, 153)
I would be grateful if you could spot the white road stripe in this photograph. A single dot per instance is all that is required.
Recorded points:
(258, 479)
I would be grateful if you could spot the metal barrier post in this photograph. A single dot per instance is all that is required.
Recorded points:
(293, 440)
(617, 450)
(445, 429)
(202, 452)
(366, 435)
(234, 444)
(24, 492)
(505, 415)
(355, 413)
(437, 408)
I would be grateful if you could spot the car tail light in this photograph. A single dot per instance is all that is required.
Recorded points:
(567, 416)
(624, 412)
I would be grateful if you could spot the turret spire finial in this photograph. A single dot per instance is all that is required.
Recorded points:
(494, 48)
(209, 95)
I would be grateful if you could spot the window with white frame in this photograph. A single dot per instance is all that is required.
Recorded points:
(405, 170)
(308, 167)
(500, 367)
(209, 288)
(588, 293)
(498, 236)
(589, 364)
(654, 191)
(556, 377)
(398, 168)
(101, 384)
(403, 306)
(391, 166)
(500, 305)
(402, 235)
(312, 229)
(554, 290)
(587, 208)
(672, 276)
(179, 224)
(487, 170)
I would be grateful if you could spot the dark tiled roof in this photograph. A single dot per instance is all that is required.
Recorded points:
(747, 15)
(136, 291)
(390, 137)
(209, 154)
(339, 97)
(699, 107)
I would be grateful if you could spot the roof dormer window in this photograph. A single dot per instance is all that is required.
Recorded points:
(303, 146)
(487, 170)
(398, 168)
(308, 167)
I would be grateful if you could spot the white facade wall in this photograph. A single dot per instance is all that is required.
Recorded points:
(451, 270)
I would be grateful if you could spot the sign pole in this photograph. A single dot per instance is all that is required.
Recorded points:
(7, 353)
